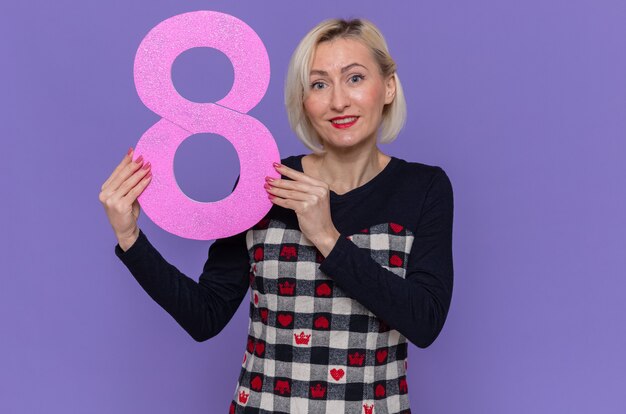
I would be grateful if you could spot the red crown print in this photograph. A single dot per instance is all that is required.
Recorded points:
(286, 288)
(282, 386)
(356, 359)
(243, 397)
(318, 391)
(368, 409)
(257, 383)
(302, 339)
(288, 252)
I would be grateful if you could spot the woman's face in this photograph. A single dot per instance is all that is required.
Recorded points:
(346, 94)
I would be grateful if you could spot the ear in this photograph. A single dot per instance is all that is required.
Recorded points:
(390, 89)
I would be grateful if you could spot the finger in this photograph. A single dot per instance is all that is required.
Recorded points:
(290, 204)
(126, 172)
(299, 186)
(288, 194)
(136, 191)
(125, 161)
(114, 196)
(132, 181)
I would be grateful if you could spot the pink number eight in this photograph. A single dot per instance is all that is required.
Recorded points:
(162, 200)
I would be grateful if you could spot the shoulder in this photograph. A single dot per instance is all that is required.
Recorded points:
(422, 174)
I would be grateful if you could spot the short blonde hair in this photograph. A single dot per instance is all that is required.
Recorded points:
(296, 84)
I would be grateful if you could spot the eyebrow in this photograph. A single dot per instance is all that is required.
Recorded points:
(343, 70)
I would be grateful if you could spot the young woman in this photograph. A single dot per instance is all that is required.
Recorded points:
(353, 260)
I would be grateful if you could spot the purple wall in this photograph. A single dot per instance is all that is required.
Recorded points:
(522, 103)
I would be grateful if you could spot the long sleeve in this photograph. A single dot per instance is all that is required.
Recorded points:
(202, 308)
(417, 305)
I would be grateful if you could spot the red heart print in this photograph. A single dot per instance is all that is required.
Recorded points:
(397, 228)
(285, 320)
(258, 254)
(380, 391)
(323, 290)
(257, 383)
(321, 323)
(337, 374)
(395, 260)
(260, 347)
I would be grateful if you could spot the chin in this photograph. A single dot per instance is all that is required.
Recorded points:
(344, 144)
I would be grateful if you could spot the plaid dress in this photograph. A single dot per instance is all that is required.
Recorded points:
(311, 348)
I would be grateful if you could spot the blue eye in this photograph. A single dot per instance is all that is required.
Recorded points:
(317, 85)
(356, 78)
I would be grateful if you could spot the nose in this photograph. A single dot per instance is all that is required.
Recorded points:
(340, 99)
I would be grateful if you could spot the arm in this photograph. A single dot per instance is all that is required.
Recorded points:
(416, 306)
(202, 308)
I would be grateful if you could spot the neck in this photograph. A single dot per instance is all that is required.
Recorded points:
(348, 170)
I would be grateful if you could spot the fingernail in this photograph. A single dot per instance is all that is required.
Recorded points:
(139, 159)
(129, 151)
(146, 165)
(270, 179)
(277, 165)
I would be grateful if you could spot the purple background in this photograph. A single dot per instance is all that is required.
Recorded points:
(522, 103)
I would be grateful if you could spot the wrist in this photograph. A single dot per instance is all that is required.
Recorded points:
(127, 241)
(326, 244)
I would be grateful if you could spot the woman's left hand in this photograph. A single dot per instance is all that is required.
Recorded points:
(310, 199)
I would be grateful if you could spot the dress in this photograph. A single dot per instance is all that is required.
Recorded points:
(326, 334)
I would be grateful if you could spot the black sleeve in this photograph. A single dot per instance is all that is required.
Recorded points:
(416, 306)
(202, 308)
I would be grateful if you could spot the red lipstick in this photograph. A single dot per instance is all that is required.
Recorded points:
(344, 125)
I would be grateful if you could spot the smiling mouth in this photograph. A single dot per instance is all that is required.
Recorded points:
(345, 122)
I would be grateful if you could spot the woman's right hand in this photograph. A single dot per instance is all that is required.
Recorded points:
(119, 195)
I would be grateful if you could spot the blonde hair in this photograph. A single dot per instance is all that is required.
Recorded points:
(394, 114)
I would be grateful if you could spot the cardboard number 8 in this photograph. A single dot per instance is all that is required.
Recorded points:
(162, 200)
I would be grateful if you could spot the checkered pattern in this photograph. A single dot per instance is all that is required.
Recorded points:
(311, 348)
